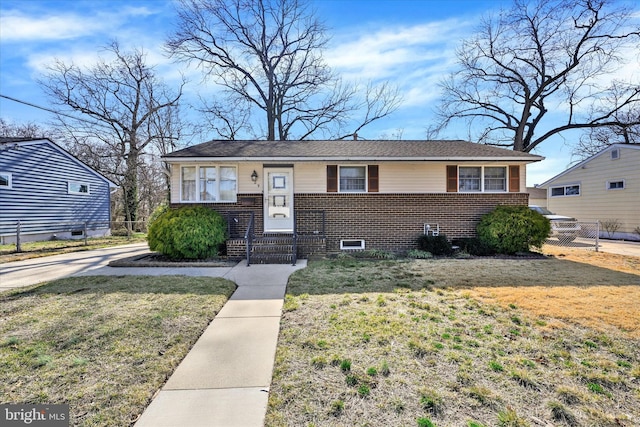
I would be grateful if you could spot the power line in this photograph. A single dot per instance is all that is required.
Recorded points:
(53, 111)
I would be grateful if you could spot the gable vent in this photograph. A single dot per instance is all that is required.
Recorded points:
(615, 154)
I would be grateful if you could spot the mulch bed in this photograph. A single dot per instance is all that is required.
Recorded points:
(157, 260)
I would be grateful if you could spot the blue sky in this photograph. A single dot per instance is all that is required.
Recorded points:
(410, 43)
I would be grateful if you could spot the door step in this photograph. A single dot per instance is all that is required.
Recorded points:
(272, 249)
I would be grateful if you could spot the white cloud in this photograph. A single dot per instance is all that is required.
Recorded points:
(18, 26)
(415, 58)
(382, 53)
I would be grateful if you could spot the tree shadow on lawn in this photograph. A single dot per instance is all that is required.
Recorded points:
(186, 285)
(362, 276)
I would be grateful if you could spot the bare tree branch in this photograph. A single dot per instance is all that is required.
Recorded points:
(267, 54)
(123, 94)
(539, 54)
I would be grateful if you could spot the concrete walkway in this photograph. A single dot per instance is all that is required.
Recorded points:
(45, 269)
(224, 380)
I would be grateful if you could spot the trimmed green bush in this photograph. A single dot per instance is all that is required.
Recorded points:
(473, 246)
(436, 245)
(512, 229)
(190, 232)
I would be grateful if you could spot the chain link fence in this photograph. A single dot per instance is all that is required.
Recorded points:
(18, 232)
(575, 234)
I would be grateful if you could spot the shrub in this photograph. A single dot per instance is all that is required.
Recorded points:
(611, 226)
(418, 254)
(473, 246)
(190, 232)
(159, 210)
(436, 245)
(512, 229)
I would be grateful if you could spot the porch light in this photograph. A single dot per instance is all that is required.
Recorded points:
(254, 176)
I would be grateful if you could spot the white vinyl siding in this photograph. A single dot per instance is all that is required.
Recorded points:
(394, 177)
(597, 201)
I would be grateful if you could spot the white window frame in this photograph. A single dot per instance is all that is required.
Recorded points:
(564, 192)
(80, 185)
(482, 188)
(366, 180)
(624, 185)
(9, 180)
(198, 190)
(349, 247)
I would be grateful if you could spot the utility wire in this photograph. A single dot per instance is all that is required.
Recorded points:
(53, 111)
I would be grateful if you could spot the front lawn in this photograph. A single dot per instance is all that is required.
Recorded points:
(54, 247)
(460, 343)
(104, 345)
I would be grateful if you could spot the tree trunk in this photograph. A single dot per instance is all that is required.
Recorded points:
(130, 190)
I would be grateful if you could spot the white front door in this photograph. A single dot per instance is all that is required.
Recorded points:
(278, 200)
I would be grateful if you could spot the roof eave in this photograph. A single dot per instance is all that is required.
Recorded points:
(191, 159)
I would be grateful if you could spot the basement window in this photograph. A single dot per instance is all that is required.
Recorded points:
(351, 244)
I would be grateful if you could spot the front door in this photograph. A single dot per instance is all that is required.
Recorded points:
(278, 200)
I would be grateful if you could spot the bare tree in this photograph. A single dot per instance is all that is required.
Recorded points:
(626, 132)
(22, 130)
(126, 102)
(540, 59)
(267, 54)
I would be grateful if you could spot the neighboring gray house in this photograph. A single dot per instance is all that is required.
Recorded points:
(50, 192)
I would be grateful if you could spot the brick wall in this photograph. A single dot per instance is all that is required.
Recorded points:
(386, 221)
(393, 221)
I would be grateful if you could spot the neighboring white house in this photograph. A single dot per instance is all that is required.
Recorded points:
(605, 187)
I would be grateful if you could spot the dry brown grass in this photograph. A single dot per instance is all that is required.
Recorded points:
(615, 262)
(456, 341)
(597, 306)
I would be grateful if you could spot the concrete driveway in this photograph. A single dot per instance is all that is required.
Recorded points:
(37, 270)
(620, 247)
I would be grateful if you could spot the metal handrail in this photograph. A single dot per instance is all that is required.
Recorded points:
(294, 255)
(248, 237)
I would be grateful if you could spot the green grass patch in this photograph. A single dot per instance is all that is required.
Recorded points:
(104, 345)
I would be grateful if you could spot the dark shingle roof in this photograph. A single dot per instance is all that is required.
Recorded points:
(348, 150)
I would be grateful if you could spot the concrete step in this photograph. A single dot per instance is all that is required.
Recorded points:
(271, 258)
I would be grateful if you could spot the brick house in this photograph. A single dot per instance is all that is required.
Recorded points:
(329, 196)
